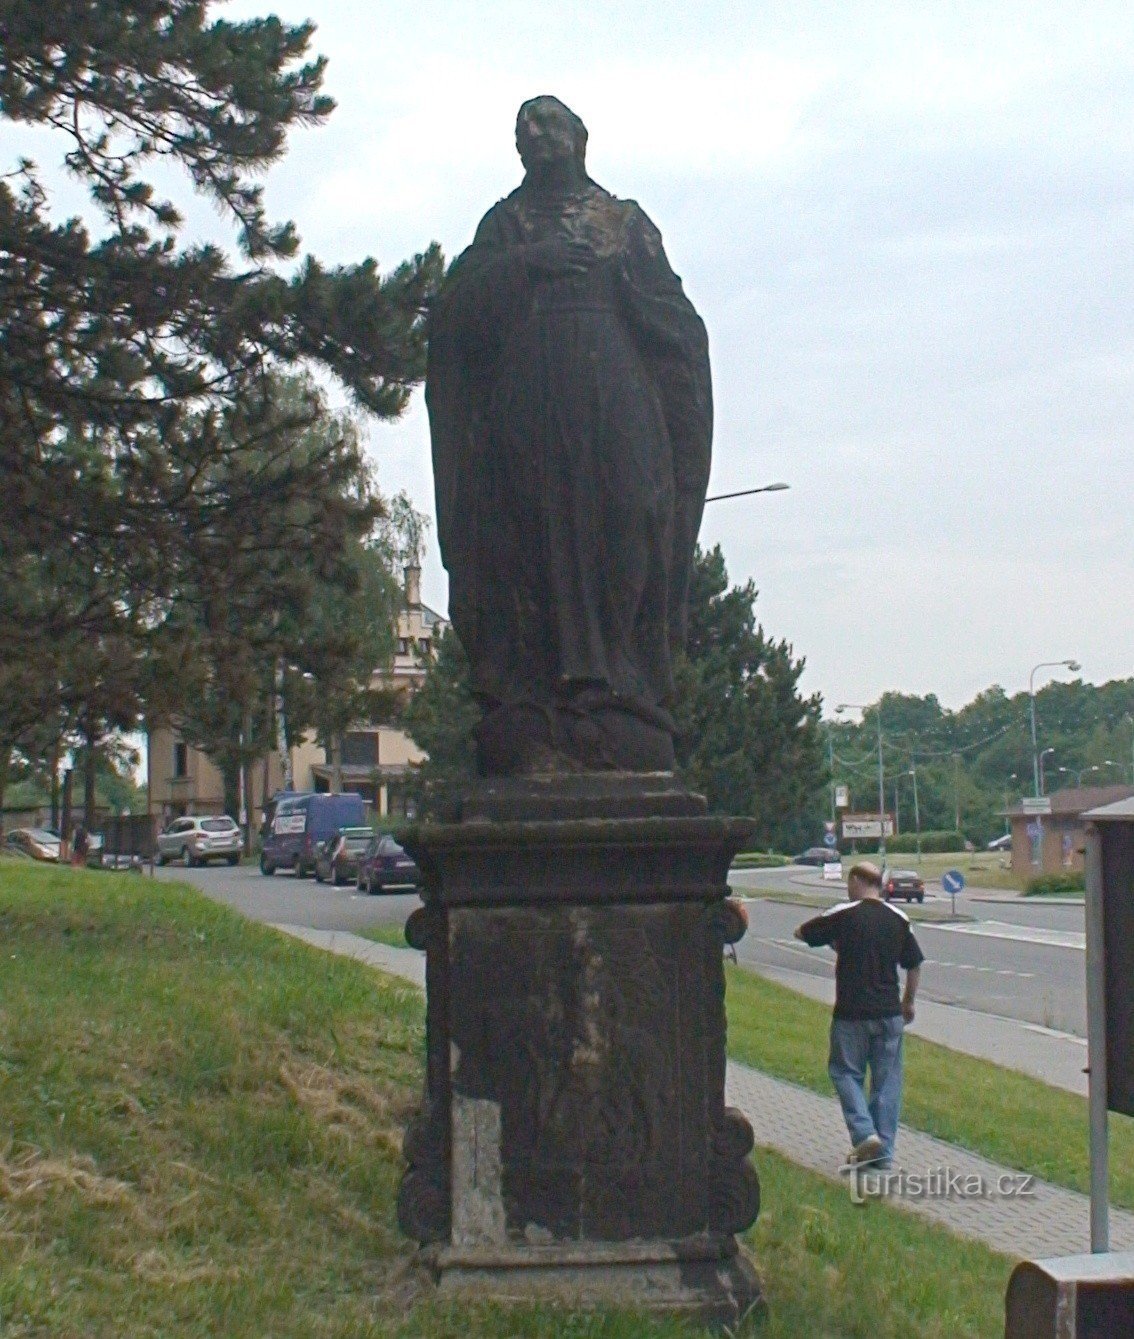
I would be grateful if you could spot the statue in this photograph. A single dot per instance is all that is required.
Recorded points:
(570, 411)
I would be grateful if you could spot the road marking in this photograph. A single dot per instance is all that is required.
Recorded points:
(793, 946)
(1023, 934)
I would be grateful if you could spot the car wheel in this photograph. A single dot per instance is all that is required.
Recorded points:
(161, 857)
(909, 898)
(337, 878)
(318, 876)
(921, 897)
(375, 889)
(266, 866)
(234, 860)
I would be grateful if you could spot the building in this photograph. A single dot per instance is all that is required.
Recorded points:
(1053, 843)
(376, 759)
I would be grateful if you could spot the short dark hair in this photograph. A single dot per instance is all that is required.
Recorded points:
(866, 873)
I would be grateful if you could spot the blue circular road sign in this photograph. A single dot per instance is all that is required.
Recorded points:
(829, 839)
(953, 881)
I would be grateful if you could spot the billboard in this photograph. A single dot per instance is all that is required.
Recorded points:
(1118, 971)
(866, 827)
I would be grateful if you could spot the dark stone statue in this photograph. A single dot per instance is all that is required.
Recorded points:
(571, 416)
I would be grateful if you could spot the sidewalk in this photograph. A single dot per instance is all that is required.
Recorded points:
(1038, 1220)
(1055, 1058)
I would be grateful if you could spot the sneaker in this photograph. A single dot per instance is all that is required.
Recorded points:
(869, 1150)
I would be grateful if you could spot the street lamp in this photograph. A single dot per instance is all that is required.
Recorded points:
(1042, 782)
(747, 492)
(916, 810)
(1074, 667)
(858, 706)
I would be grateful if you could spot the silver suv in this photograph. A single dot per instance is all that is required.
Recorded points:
(199, 839)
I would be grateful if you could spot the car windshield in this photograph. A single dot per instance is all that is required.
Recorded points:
(42, 835)
(903, 874)
(356, 838)
(217, 825)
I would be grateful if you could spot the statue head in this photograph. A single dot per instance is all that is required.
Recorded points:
(547, 131)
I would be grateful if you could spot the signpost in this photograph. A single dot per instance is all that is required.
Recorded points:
(1110, 990)
(953, 881)
(842, 798)
(866, 827)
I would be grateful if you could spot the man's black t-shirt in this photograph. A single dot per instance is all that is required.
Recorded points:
(873, 939)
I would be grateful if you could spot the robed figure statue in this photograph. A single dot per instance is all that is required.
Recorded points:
(570, 410)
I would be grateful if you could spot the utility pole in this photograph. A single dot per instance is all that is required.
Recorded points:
(858, 706)
(916, 809)
(956, 792)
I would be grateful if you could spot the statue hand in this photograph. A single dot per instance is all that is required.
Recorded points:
(557, 257)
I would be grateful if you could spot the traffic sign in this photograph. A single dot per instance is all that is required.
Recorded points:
(1036, 804)
(829, 839)
(953, 881)
(842, 797)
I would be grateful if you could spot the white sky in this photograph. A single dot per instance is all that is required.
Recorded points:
(908, 228)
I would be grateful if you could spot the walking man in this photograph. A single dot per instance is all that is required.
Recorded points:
(872, 940)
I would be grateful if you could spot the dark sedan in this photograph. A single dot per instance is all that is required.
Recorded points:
(337, 859)
(387, 867)
(816, 855)
(906, 883)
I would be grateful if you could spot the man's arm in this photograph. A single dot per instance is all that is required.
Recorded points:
(913, 977)
(819, 930)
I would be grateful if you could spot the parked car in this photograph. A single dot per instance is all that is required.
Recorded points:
(906, 883)
(817, 855)
(301, 823)
(39, 843)
(199, 838)
(337, 859)
(1001, 843)
(386, 866)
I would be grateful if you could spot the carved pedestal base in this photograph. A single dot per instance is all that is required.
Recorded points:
(574, 1138)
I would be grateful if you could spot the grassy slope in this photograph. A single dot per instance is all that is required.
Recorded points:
(1007, 1116)
(202, 1123)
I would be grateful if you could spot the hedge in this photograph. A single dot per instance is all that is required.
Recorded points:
(933, 842)
(761, 860)
(1055, 883)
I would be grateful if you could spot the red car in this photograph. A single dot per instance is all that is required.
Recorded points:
(386, 867)
(906, 883)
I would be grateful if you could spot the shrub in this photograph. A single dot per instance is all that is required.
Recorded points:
(1071, 882)
(763, 860)
(932, 842)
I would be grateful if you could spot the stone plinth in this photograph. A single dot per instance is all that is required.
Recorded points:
(574, 1137)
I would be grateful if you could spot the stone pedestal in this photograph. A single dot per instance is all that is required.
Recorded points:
(574, 1138)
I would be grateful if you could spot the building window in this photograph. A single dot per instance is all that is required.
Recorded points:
(403, 646)
(423, 645)
(360, 749)
(180, 759)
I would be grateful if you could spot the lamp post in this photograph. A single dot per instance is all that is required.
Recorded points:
(1073, 666)
(858, 706)
(916, 810)
(1042, 782)
(747, 492)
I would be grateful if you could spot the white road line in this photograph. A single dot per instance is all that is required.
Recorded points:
(1022, 934)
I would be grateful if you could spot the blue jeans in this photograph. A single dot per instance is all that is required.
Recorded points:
(856, 1044)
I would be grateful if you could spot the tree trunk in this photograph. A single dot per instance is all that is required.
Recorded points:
(89, 763)
(249, 807)
(5, 764)
(336, 763)
(56, 754)
(230, 774)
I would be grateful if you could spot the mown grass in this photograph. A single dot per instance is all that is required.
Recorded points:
(201, 1125)
(1007, 1116)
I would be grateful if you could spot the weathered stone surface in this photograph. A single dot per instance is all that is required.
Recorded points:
(570, 409)
(574, 1112)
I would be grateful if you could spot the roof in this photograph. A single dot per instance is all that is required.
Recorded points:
(1110, 813)
(1075, 800)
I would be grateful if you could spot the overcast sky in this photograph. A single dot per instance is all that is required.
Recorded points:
(908, 227)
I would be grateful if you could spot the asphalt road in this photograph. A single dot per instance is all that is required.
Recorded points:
(284, 899)
(1020, 961)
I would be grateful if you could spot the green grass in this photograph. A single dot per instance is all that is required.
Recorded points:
(394, 935)
(1007, 1116)
(201, 1126)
